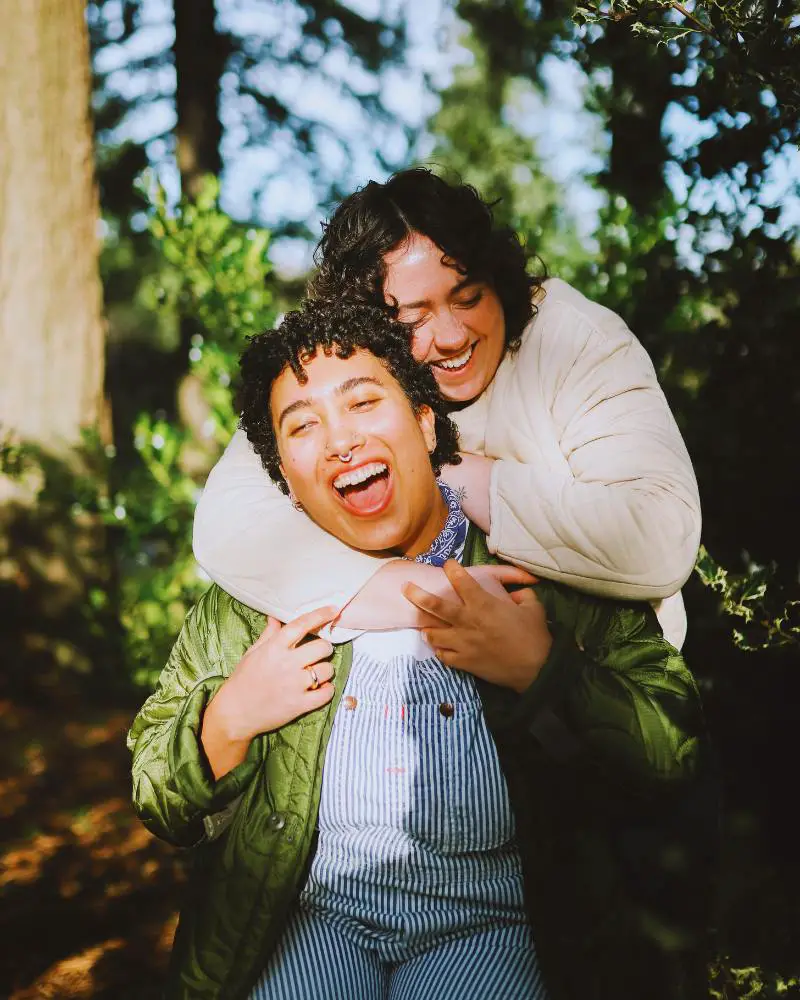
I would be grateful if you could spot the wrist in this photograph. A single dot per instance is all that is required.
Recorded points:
(224, 721)
(532, 667)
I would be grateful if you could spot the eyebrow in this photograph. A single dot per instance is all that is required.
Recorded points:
(341, 389)
(453, 291)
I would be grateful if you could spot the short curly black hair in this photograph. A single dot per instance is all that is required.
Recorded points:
(379, 217)
(341, 328)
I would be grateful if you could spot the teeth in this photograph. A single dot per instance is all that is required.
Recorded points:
(457, 362)
(360, 475)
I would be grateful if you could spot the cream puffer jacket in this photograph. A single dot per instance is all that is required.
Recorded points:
(593, 485)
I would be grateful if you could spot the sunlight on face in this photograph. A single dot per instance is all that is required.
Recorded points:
(355, 454)
(459, 325)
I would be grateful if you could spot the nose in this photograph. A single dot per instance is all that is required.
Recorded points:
(449, 335)
(341, 440)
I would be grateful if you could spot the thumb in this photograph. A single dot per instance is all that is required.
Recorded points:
(525, 596)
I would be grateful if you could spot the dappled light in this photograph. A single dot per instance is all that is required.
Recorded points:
(168, 167)
(88, 894)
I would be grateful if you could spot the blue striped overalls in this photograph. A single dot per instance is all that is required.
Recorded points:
(416, 887)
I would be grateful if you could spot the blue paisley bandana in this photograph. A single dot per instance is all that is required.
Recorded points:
(449, 543)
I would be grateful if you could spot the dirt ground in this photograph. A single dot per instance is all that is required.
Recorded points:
(87, 895)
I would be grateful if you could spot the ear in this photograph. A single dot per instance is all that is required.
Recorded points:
(427, 424)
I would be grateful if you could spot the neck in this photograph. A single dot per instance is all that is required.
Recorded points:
(429, 526)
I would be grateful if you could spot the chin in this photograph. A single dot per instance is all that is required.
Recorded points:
(462, 393)
(378, 540)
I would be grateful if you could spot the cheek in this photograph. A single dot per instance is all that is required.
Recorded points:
(421, 344)
(493, 328)
(299, 470)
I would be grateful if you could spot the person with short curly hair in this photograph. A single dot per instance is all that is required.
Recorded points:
(341, 330)
(572, 461)
(514, 802)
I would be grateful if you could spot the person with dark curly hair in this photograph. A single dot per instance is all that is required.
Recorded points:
(572, 461)
(523, 815)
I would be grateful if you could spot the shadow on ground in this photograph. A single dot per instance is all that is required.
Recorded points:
(87, 895)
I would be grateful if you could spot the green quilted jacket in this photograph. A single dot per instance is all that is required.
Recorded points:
(607, 767)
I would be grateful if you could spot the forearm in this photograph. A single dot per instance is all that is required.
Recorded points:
(174, 788)
(630, 540)
(381, 605)
(471, 480)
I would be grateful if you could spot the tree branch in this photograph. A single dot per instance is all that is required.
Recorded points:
(699, 26)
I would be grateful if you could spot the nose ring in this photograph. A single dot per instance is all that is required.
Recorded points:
(346, 457)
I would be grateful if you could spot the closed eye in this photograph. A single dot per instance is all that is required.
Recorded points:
(414, 321)
(300, 428)
(364, 404)
(473, 300)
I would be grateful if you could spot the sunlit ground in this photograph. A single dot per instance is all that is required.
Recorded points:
(87, 895)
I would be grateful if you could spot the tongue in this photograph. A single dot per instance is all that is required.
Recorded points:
(367, 495)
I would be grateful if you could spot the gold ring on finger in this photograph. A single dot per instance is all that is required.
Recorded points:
(314, 679)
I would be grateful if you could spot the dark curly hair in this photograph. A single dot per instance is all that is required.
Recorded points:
(370, 223)
(341, 328)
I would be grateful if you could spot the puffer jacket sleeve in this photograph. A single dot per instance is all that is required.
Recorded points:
(613, 694)
(616, 512)
(174, 790)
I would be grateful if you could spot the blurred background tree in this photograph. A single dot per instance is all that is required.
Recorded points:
(51, 329)
(646, 151)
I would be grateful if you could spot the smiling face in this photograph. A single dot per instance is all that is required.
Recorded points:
(459, 326)
(356, 456)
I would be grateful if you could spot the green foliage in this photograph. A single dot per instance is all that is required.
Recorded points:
(269, 61)
(214, 271)
(477, 141)
(762, 38)
(765, 622)
(750, 983)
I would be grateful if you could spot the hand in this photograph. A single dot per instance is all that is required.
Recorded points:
(501, 640)
(381, 604)
(273, 683)
(495, 577)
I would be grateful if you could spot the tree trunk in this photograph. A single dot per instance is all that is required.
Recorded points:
(53, 558)
(51, 320)
(641, 90)
(200, 53)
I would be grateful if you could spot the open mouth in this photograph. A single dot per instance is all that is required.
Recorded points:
(364, 490)
(457, 363)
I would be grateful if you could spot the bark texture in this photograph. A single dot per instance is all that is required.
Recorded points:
(51, 321)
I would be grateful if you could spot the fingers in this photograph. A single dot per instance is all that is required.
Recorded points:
(271, 629)
(315, 699)
(439, 639)
(310, 622)
(445, 655)
(509, 575)
(525, 597)
(425, 620)
(441, 609)
(460, 580)
(316, 675)
(309, 653)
